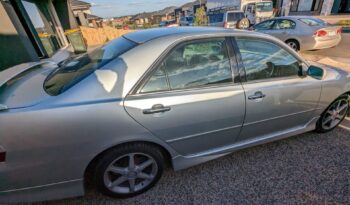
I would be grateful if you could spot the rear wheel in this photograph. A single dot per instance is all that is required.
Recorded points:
(333, 115)
(293, 44)
(129, 170)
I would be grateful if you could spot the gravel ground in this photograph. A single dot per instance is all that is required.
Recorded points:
(305, 169)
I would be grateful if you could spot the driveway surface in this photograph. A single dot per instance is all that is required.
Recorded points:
(306, 169)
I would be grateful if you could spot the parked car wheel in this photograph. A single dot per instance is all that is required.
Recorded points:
(333, 115)
(129, 170)
(294, 44)
(243, 23)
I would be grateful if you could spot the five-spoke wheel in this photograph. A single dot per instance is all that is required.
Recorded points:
(129, 170)
(334, 115)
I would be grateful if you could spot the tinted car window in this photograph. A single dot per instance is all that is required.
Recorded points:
(234, 16)
(157, 82)
(265, 25)
(284, 24)
(313, 22)
(266, 60)
(74, 70)
(193, 64)
(216, 17)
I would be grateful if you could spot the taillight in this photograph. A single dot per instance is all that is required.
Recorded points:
(339, 30)
(320, 33)
(225, 24)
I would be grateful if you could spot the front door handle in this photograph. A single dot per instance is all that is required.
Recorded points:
(257, 95)
(156, 109)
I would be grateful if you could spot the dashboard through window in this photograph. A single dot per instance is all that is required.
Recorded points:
(192, 64)
(265, 60)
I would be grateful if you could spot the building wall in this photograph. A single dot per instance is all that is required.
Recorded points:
(15, 45)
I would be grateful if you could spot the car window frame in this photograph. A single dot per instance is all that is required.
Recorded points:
(242, 68)
(149, 73)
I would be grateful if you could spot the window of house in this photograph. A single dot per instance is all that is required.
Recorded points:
(193, 64)
(266, 60)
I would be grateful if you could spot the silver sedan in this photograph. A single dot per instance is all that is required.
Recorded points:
(116, 116)
(302, 32)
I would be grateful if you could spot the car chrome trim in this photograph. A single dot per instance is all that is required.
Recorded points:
(282, 116)
(40, 186)
(183, 162)
(203, 133)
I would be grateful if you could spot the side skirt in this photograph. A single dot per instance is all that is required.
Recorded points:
(183, 162)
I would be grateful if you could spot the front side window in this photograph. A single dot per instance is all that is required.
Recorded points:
(265, 60)
(284, 24)
(193, 64)
(266, 25)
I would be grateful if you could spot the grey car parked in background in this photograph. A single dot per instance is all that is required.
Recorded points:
(302, 32)
(178, 95)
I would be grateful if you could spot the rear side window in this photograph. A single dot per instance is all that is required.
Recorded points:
(74, 70)
(234, 16)
(192, 64)
(313, 22)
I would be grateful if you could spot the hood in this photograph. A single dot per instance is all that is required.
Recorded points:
(22, 86)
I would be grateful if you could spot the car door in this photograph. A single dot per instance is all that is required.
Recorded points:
(278, 100)
(282, 29)
(189, 99)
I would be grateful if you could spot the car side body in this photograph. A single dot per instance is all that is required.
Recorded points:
(310, 36)
(51, 141)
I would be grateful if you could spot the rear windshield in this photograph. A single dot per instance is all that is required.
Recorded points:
(313, 22)
(234, 16)
(189, 19)
(76, 69)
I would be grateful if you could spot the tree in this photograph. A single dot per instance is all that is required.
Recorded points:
(201, 18)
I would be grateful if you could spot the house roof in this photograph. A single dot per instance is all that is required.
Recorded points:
(77, 4)
(93, 17)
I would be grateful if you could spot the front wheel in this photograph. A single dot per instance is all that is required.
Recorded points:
(334, 115)
(129, 170)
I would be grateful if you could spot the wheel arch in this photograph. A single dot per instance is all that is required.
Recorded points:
(88, 172)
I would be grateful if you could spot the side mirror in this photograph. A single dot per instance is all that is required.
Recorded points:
(303, 70)
(315, 72)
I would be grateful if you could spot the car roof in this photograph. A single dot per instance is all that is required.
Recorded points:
(150, 34)
(294, 17)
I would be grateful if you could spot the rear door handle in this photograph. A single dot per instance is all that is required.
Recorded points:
(257, 95)
(156, 109)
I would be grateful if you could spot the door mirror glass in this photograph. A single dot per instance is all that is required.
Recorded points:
(315, 72)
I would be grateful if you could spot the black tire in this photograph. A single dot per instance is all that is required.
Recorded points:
(319, 127)
(294, 44)
(243, 24)
(108, 158)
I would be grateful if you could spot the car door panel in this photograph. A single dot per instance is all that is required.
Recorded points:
(198, 120)
(288, 103)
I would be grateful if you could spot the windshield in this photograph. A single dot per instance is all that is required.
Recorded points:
(264, 6)
(76, 69)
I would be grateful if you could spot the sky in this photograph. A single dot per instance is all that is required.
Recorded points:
(114, 8)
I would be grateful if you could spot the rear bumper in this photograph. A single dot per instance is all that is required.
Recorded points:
(328, 43)
(54, 191)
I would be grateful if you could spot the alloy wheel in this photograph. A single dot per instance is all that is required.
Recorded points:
(130, 173)
(335, 114)
(293, 45)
